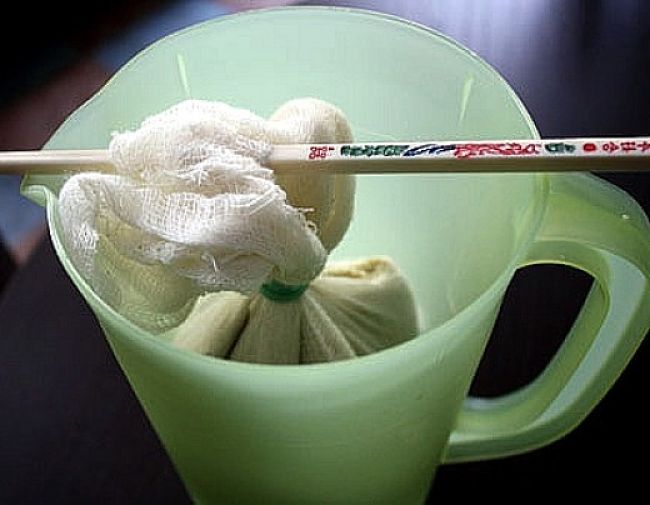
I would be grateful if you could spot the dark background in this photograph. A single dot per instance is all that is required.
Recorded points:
(71, 430)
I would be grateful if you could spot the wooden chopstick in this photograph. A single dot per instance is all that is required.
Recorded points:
(546, 155)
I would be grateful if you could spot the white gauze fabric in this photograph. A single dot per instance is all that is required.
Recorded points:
(192, 224)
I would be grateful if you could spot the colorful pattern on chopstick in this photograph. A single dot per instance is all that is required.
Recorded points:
(494, 149)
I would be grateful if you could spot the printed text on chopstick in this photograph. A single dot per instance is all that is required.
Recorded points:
(465, 150)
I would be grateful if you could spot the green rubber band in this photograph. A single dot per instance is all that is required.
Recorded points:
(282, 293)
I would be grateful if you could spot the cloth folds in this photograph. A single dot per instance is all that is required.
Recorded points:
(192, 224)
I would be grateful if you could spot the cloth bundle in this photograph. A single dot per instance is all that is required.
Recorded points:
(195, 240)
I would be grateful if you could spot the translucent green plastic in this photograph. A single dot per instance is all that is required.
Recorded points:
(374, 429)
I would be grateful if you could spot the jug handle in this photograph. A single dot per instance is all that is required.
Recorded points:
(596, 227)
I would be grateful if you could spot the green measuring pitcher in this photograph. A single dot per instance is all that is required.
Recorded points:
(374, 429)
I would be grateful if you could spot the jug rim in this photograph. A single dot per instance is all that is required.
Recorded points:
(46, 197)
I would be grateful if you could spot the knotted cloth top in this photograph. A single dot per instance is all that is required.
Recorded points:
(192, 204)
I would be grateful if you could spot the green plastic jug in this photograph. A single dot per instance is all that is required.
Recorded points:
(374, 429)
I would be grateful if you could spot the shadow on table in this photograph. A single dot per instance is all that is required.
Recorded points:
(6, 266)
